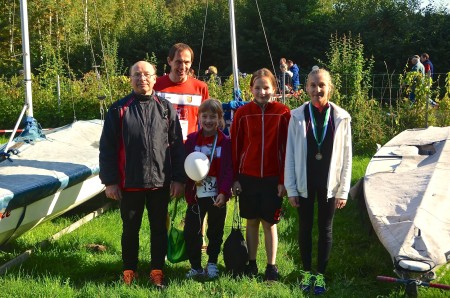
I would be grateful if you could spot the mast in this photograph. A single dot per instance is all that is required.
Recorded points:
(32, 131)
(26, 56)
(234, 51)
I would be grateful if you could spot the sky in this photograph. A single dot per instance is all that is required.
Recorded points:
(437, 2)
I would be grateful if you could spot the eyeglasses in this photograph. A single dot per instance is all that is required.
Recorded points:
(139, 75)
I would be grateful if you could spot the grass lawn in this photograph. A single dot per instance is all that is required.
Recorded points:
(68, 268)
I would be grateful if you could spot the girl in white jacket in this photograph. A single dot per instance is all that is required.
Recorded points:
(318, 167)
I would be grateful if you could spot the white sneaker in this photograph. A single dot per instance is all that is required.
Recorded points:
(192, 273)
(212, 271)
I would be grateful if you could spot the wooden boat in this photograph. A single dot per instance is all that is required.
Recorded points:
(407, 194)
(42, 176)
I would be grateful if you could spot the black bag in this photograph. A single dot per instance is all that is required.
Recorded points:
(235, 253)
(176, 246)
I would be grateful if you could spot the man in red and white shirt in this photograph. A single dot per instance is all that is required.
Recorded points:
(183, 91)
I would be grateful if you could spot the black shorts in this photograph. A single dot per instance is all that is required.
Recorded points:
(259, 198)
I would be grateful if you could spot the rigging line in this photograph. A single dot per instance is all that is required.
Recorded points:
(203, 38)
(69, 72)
(103, 52)
(102, 103)
(88, 37)
(265, 37)
(12, 12)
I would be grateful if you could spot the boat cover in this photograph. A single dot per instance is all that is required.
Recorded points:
(407, 193)
(67, 157)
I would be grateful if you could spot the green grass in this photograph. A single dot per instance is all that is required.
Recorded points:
(67, 268)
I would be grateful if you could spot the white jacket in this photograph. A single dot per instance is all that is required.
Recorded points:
(339, 175)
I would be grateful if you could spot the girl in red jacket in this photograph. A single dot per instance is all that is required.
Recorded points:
(259, 134)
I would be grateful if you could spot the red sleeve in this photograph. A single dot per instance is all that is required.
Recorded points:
(236, 144)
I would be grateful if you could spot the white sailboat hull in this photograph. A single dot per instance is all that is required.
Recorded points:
(407, 193)
(49, 178)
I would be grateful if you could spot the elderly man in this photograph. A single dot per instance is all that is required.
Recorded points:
(141, 164)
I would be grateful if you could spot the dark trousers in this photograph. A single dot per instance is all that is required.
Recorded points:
(195, 214)
(131, 210)
(326, 209)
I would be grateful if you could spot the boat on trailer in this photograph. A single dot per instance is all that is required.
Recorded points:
(44, 175)
(407, 195)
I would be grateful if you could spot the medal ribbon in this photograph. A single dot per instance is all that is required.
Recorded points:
(314, 126)
(213, 149)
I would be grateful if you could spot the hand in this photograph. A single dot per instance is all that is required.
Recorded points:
(113, 192)
(176, 189)
(237, 189)
(340, 203)
(281, 190)
(220, 201)
(295, 201)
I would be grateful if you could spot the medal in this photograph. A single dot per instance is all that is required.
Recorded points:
(321, 138)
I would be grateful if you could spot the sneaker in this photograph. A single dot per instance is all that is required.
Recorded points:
(212, 271)
(157, 278)
(195, 273)
(251, 270)
(319, 284)
(271, 273)
(129, 276)
(305, 284)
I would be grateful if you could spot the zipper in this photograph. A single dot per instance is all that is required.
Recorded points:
(262, 143)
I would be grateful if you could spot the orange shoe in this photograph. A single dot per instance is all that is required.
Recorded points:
(157, 278)
(129, 276)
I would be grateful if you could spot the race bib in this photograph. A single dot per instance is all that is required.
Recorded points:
(207, 188)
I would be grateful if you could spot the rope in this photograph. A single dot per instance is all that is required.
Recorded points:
(12, 19)
(69, 72)
(103, 52)
(203, 38)
(95, 66)
(265, 37)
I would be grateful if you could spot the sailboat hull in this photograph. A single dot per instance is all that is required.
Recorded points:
(407, 194)
(48, 178)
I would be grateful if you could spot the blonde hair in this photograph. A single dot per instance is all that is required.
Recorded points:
(212, 69)
(315, 71)
(214, 106)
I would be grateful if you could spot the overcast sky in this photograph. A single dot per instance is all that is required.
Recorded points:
(437, 2)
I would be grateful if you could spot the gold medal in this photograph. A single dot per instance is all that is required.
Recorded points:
(319, 156)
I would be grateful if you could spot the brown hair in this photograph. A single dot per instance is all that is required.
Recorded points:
(179, 47)
(263, 72)
(214, 106)
(315, 71)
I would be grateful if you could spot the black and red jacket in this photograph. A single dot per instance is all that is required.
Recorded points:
(141, 146)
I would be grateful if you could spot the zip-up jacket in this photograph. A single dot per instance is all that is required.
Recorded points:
(225, 171)
(259, 140)
(339, 175)
(141, 146)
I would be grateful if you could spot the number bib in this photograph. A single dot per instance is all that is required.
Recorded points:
(207, 188)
